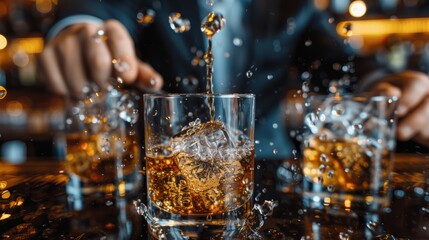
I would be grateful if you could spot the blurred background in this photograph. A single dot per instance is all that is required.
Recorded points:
(395, 32)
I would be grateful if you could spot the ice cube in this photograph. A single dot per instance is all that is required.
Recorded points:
(207, 156)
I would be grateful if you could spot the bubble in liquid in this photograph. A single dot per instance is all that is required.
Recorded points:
(210, 2)
(3, 92)
(269, 77)
(237, 42)
(322, 168)
(212, 23)
(275, 151)
(146, 16)
(331, 20)
(249, 74)
(330, 174)
(331, 188)
(320, 179)
(308, 43)
(179, 24)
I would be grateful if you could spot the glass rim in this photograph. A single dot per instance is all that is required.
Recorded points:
(192, 95)
(361, 97)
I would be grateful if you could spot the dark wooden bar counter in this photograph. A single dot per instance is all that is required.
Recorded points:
(33, 205)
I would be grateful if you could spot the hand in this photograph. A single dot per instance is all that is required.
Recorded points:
(78, 55)
(412, 88)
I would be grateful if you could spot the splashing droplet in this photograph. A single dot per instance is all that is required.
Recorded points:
(212, 23)
(146, 16)
(3, 92)
(347, 29)
(179, 24)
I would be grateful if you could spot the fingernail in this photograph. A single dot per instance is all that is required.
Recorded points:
(405, 132)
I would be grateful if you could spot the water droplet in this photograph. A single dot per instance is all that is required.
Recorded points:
(3, 92)
(275, 151)
(109, 203)
(146, 16)
(237, 42)
(179, 24)
(210, 3)
(249, 74)
(343, 236)
(132, 133)
(331, 188)
(212, 23)
(308, 43)
(120, 65)
(306, 76)
(330, 174)
(99, 36)
(331, 20)
(338, 109)
(305, 87)
(275, 125)
(269, 77)
(347, 29)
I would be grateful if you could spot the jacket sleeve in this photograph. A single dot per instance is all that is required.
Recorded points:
(124, 11)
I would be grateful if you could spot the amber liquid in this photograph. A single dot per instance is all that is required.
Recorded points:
(344, 165)
(182, 185)
(212, 24)
(88, 158)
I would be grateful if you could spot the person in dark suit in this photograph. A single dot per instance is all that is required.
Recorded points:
(262, 46)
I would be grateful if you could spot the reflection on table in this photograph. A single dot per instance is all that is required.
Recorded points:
(34, 205)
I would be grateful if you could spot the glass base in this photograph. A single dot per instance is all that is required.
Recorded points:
(316, 196)
(164, 225)
(81, 194)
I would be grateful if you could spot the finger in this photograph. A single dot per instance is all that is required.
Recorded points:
(69, 54)
(414, 89)
(96, 55)
(122, 51)
(50, 72)
(414, 122)
(386, 89)
(148, 78)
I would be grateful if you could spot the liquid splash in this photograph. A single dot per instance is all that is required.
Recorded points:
(179, 24)
(250, 230)
(146, 16)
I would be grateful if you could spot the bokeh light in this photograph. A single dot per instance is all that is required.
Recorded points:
(3, 42)
(357, 8)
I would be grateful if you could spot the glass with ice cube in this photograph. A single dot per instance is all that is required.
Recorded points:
(102, 146)
(347, 152)
(199, 156)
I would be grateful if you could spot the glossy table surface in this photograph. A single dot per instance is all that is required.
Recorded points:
(34, 205)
